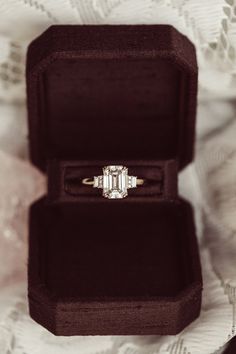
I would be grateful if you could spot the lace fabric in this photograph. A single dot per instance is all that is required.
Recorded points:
(209, 182)
(211, 25)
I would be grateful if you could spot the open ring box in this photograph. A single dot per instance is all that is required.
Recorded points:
(104, 95)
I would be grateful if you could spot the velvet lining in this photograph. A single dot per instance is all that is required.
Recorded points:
(113, 110)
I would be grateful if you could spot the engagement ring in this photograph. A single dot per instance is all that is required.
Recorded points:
(115, 182)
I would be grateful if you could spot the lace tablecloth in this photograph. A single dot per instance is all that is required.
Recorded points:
(210, 182)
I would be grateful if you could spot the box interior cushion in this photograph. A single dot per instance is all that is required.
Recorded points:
(91, 250)
(73, 177)
(111, 92)
(65, 178)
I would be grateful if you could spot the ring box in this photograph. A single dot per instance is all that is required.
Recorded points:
(104, 95)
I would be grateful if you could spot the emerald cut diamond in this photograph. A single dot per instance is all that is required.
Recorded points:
(115, 182)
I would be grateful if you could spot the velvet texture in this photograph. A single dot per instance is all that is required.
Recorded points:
(111, 92)
(88, 277)
(100, 95)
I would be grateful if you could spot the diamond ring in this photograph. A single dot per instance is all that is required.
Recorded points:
(115, 182)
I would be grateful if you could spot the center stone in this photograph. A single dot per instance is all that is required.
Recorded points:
(115, 182)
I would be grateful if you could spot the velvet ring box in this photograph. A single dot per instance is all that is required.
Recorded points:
(103, 95)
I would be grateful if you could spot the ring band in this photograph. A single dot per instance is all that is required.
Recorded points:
(115, 182)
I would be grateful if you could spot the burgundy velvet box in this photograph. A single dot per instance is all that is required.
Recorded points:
(100, 95)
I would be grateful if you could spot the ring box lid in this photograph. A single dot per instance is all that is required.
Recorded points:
(117, 92)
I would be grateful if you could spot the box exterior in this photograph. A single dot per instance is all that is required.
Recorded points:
(101, 94)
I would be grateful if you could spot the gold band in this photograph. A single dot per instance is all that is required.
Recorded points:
(88, 181)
